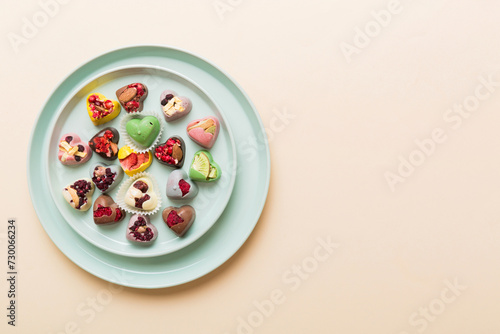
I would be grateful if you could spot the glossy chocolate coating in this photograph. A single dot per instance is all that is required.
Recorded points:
(107, 202)
(186, 212)
(173, 188)
(177, 152)
(185, 104)
(127, 94)
(99, 171)
(112, 152)
(130, 234)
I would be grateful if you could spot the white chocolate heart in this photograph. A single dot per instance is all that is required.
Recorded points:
(141, 195)
(79, 199)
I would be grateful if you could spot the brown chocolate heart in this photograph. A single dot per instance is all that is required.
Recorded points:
(106, 211)
(141, 230)
(105, 143)
(132, 96)
(180, 219)
(172, 152)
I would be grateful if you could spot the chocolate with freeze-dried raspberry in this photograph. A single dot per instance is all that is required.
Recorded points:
(106, 177)
(105, 143)
(132, 96)
(141, 230)
(172, 152)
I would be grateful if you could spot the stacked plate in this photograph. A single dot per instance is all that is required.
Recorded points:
(227, 210)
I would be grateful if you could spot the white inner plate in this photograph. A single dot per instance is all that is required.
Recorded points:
(212, 197)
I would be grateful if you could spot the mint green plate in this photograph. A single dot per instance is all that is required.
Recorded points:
(232, 228)
(211, 199)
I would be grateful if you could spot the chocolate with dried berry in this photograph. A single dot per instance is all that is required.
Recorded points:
(172, 152)
(141, 195)
(106, 211)
(105, 143)
(101, 109)
(79, 194)
(72, 150)
(179, 186)
(133, 162)
(179, 220)
(173, 106)
(141, 230)
(204, 131)
(132, 96)
(106, 177)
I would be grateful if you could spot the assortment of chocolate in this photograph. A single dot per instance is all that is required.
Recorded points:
(140, 195)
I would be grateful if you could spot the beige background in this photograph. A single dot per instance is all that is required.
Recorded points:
(353, 120)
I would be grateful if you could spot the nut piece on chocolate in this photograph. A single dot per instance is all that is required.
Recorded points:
(79, 194)
(141, 230)
(172, 152)
(179, 219)
(132, 96)
(141, 195)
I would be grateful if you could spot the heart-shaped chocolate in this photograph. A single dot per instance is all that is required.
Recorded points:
(106, 211)
(173, 106)
(105, 177)
(204, 131)
(141, 230)
(141, 194)
(203, 168)
(105, 143)
(143, 130)
(79, 194)
(100, 109)
(132, 96)
(133, 162)
(172, 152)
(179, 186)
(180, 219)
(72, 150)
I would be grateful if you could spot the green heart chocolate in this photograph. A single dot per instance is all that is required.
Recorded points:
(144, 131)
(203, 168)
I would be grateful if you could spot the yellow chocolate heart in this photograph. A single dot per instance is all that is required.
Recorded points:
(128, 162)
(99, 109)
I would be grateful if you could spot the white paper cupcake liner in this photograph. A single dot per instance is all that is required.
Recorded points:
(129, 141)
(122, 191)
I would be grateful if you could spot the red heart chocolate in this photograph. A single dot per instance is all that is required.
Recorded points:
(172, 152)
(106, 211)
(105, 143)
(180, 219)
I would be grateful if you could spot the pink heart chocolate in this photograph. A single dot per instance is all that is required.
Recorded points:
(173, 106)
(72, 150)
(132, 96)
(204, 131)
(141, 230)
